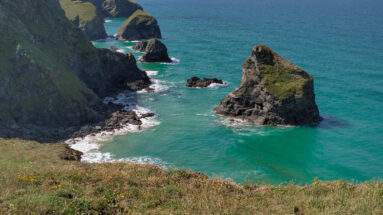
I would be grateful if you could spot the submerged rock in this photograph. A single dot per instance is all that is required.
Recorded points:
(85, 16)
(155, 51)
(202, 83)
(139, 26)
(273, 92)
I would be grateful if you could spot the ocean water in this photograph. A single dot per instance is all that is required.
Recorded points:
(340, 43)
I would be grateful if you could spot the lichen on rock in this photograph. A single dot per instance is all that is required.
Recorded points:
(273, 92)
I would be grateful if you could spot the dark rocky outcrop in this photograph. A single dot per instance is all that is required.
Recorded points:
(85, 16)
(140, 46)
(70, 154)
(139, 26)
(273, 92)
(116, 8)
(155, 51)
(52, 79)
(202, 83)
(121, 71)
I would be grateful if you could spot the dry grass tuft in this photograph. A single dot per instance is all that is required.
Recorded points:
(34, 180)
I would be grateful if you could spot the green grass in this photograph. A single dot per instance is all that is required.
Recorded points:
(86, 11)
(35, 180)
(138, 17)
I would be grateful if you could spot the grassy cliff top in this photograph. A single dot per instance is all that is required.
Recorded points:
(86, 11)
(139, 17)
(282, 78)
(34, 180)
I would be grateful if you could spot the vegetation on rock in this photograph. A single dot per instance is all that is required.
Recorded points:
(273, 92)
(86, 17)
(139, 26)
(52, 78)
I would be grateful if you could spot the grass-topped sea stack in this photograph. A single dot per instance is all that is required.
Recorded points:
(273, 92)
(139, 26)
(84, 15)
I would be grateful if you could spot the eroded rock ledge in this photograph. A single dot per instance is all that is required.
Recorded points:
(273, 92)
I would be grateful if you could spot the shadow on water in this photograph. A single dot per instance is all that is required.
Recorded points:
(331, 122)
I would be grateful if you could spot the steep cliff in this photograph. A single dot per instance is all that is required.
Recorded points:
(85, 16)
(52, 79)
(273, 92)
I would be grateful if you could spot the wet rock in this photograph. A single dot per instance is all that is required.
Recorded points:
(196, 82)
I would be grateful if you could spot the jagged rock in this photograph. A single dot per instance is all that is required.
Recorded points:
(52, 79)
(85, 16)
(155, 51)
(273, 92)
(121, 71)
(70, 154)
(202, 83)
(140, 46)
(139, 26)
(147, 115)
(116, 8)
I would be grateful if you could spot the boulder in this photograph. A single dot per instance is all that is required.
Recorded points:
(273, 92)
(139, 26)
(85, 16)
(196, 82)
(155, 51)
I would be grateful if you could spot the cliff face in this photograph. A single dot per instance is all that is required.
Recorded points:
(273, 92)
(139, 26)
(85, 16)
(52, 79)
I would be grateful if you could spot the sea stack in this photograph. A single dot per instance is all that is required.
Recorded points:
(273, 92)
(139, 26)
(155, 51)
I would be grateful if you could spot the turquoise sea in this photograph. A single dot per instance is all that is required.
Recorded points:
(339, 42)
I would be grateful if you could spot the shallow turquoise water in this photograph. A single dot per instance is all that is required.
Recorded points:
(340, 43)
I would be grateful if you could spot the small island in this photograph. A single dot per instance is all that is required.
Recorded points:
(273, 92)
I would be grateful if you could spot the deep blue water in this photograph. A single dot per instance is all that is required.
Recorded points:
(340, 43)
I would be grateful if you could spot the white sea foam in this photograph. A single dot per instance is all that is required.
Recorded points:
(121, 51)
(91, 144)
(151, 73)
(216, 85)
(108, 20)
(174, 61)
